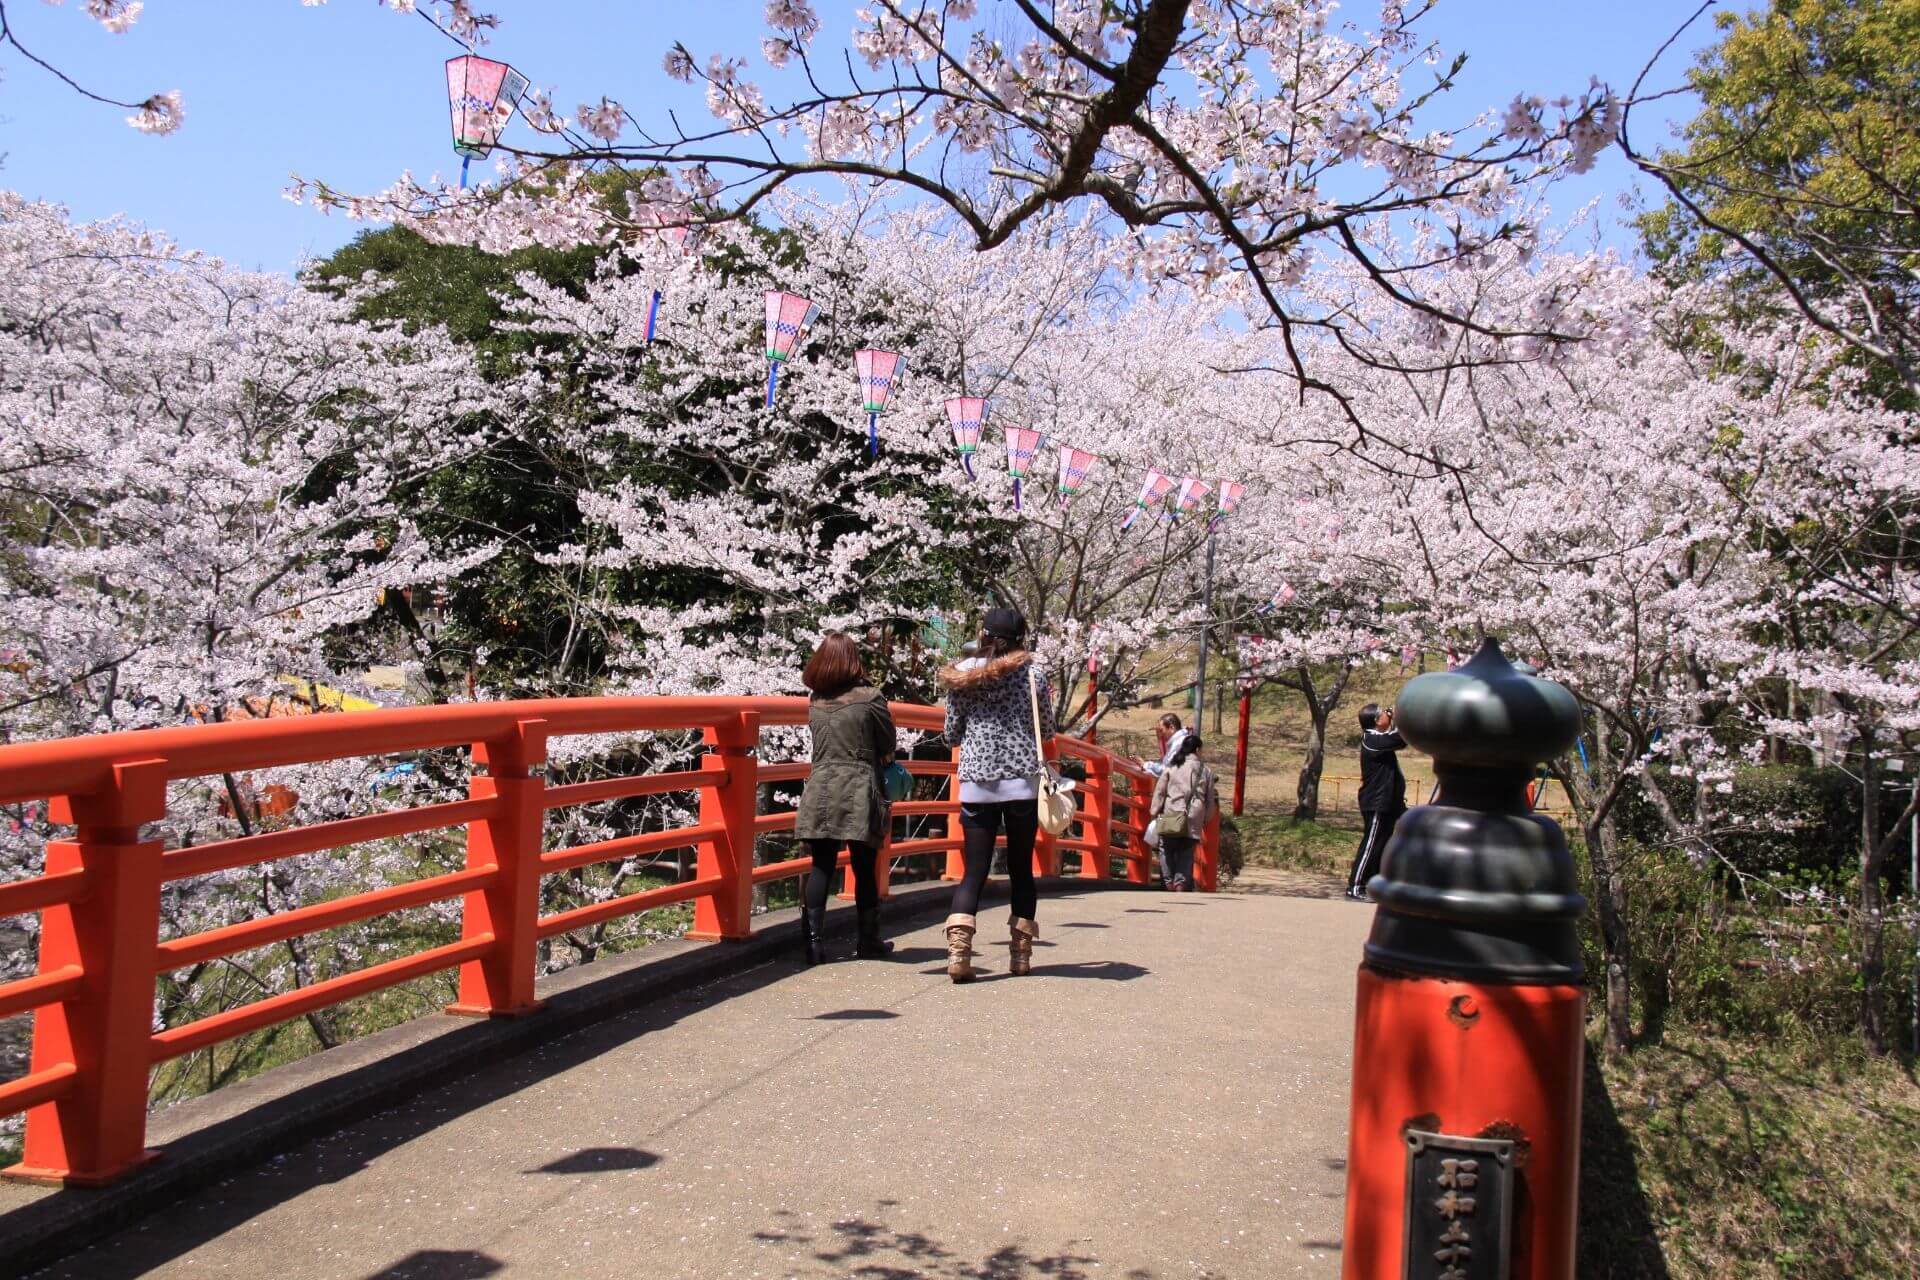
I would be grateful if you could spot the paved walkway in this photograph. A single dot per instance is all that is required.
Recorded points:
(1165, 1097)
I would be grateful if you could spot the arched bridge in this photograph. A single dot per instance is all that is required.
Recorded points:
(1165, 1096)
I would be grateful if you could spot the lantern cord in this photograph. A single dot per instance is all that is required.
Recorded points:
(1016, 493)
(1131, 517)
(966, 461)
(873, 435)
(653, 313)
(773, 380)
(464, 162)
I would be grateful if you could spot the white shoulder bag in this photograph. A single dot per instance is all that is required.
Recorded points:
(1055, 805)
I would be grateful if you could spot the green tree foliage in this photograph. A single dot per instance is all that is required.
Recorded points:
(1798, 184)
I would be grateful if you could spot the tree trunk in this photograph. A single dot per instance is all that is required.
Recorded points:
(1871, 927)
(1610, 903)
(1307, 798)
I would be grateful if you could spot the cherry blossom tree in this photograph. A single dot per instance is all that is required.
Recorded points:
(1230, 143)
(207, 485)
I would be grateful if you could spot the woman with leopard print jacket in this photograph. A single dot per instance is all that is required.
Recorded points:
(990, 718)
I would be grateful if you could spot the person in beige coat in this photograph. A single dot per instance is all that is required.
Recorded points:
(1183, 796)
(844, 805)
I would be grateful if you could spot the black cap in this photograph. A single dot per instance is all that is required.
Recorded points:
(1005, 624)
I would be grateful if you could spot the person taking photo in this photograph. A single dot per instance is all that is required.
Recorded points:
(1383, 794)
(844, 804)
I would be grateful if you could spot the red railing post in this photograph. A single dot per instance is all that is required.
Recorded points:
(1240, 749)
(1096, 820)
(727, 912)
(500, 983)
(112, 932)
(1206, 860)
(956, 867)
(1139, 801)
(1046, 845)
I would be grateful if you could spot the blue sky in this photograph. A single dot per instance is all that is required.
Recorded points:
(351, 93)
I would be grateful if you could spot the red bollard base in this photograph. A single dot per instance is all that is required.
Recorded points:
(1469, 1060)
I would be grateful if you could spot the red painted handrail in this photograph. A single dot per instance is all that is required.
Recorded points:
(85, 1093)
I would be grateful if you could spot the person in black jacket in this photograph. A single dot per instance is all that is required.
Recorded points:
(1383, 793)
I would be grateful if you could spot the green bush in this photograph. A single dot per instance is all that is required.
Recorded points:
(1753, 959)
(1784, 822)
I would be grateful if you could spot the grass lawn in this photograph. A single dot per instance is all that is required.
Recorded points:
(1715, 1157)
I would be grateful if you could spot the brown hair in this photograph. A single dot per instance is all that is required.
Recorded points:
(989, 647)
(834, 667)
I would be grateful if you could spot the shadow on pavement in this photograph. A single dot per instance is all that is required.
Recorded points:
(862, 1247)
(442, 1264)
(600, 1160)
(855, 1015)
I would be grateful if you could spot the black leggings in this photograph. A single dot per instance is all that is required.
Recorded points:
(980, 825)
(826, 860)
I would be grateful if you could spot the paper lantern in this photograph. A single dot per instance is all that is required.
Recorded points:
(1156, 487)
(788, 315)
(879, 371)
(1230, 491)
(1022, 444)
(1192, 489)
(967, 414)
(1076, 465)
(482, 94)
(1281, 599)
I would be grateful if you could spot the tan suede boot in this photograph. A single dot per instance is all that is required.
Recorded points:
(960, 948)
(1020, 934)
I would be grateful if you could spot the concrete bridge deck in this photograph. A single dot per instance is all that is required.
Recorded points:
(1165, 1097)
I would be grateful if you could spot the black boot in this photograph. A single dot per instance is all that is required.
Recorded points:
(871, 946)
(813, 929)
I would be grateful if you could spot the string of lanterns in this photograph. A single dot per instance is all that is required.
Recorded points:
(483, 94)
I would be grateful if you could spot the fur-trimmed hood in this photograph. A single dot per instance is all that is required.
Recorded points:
(986, 673)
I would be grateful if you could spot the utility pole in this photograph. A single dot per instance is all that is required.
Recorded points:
(1200, 672)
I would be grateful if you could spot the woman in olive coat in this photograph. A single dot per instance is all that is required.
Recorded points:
(844, 803)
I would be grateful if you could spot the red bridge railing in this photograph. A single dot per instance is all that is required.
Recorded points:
(101, 953)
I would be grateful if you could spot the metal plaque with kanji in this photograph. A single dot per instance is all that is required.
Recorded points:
(1459, 1207)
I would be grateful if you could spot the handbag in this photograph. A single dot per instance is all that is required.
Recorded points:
(1055, 806)
(896, 782)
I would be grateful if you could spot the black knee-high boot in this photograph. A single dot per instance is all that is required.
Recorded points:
(813, 929)
(871, 946)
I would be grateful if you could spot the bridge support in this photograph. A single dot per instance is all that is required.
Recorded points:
(1096, 821)
(107, 938)
(1464, 1141)
(500, 983)
(727, 912)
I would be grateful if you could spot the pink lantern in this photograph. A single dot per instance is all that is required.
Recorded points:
(1076, 465)
(1022, 444)
(788, 315)
(1281, 598)
(967, 414)
(1192, 489)
(878, 370)
(482, 94)
(1156, 487)
(1230, 492)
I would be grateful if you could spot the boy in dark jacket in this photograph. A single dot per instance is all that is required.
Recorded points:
(1383, 793)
